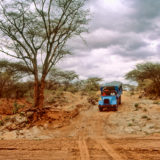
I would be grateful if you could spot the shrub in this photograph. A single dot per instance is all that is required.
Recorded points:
(16, 107)
(130, 124)
(1, 122)
(136, 105)
(145, 117)
(147, 76)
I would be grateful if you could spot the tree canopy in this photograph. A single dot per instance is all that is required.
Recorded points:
(37, 31)
(146, 74)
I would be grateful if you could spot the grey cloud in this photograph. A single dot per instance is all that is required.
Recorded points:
(144, 15)
(139, 54)
(140, 17)
(103, 38)
(118, 39)
(145, 9)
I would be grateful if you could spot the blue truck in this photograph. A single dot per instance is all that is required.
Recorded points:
(110, 96)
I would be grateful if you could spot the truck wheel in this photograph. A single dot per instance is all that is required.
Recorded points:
(100, 109)
(120, 100)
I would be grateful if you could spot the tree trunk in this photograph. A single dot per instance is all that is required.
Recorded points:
(36, 93)
(39, 93)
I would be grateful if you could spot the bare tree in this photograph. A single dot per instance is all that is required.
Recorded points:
(36, 31)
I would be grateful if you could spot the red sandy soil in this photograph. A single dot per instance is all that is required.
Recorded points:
(88, 138)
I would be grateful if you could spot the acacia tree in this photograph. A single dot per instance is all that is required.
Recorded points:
(10, 74)
(36, 31)
(60, 76)
(146, 72)
(92, 84)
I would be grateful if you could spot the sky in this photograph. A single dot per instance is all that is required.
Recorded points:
(121, 34)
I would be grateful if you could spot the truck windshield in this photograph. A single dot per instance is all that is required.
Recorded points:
(109, 93)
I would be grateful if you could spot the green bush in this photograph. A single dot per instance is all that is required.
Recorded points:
(136, 105)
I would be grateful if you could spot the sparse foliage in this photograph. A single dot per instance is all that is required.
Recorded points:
(92, 84)
(10, 74)
(147, 75)
(36, 32)
(63, 78)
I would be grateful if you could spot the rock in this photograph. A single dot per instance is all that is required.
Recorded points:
(11, 127)
(150, 126)
(35, 130)
(129, 130)
(149, 129)
(8, 124)
(136, 128)
(21, 119)
(45, 125)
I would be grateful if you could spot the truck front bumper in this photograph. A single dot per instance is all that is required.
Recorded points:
(108, 107)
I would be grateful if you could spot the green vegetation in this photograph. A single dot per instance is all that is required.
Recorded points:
(10, 75)
(57, 83)
(147, 75)
(37, 32)
(130, 124)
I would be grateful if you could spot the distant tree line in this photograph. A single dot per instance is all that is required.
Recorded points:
(16, 81)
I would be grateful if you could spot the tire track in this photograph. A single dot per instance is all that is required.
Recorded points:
(84, 153)
(108, 148)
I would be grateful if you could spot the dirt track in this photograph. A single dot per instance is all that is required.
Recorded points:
(81, 149)
(87, 138)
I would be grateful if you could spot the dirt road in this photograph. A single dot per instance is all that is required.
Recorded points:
(81, 149)
(90, 137)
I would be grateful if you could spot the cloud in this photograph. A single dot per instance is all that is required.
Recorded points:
(145, 9)
(122, 33)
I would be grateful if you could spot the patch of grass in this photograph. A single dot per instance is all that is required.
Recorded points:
(136, 105)
(130, 124)
(144, 117)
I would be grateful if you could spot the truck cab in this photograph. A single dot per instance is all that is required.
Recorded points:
(110, 96)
